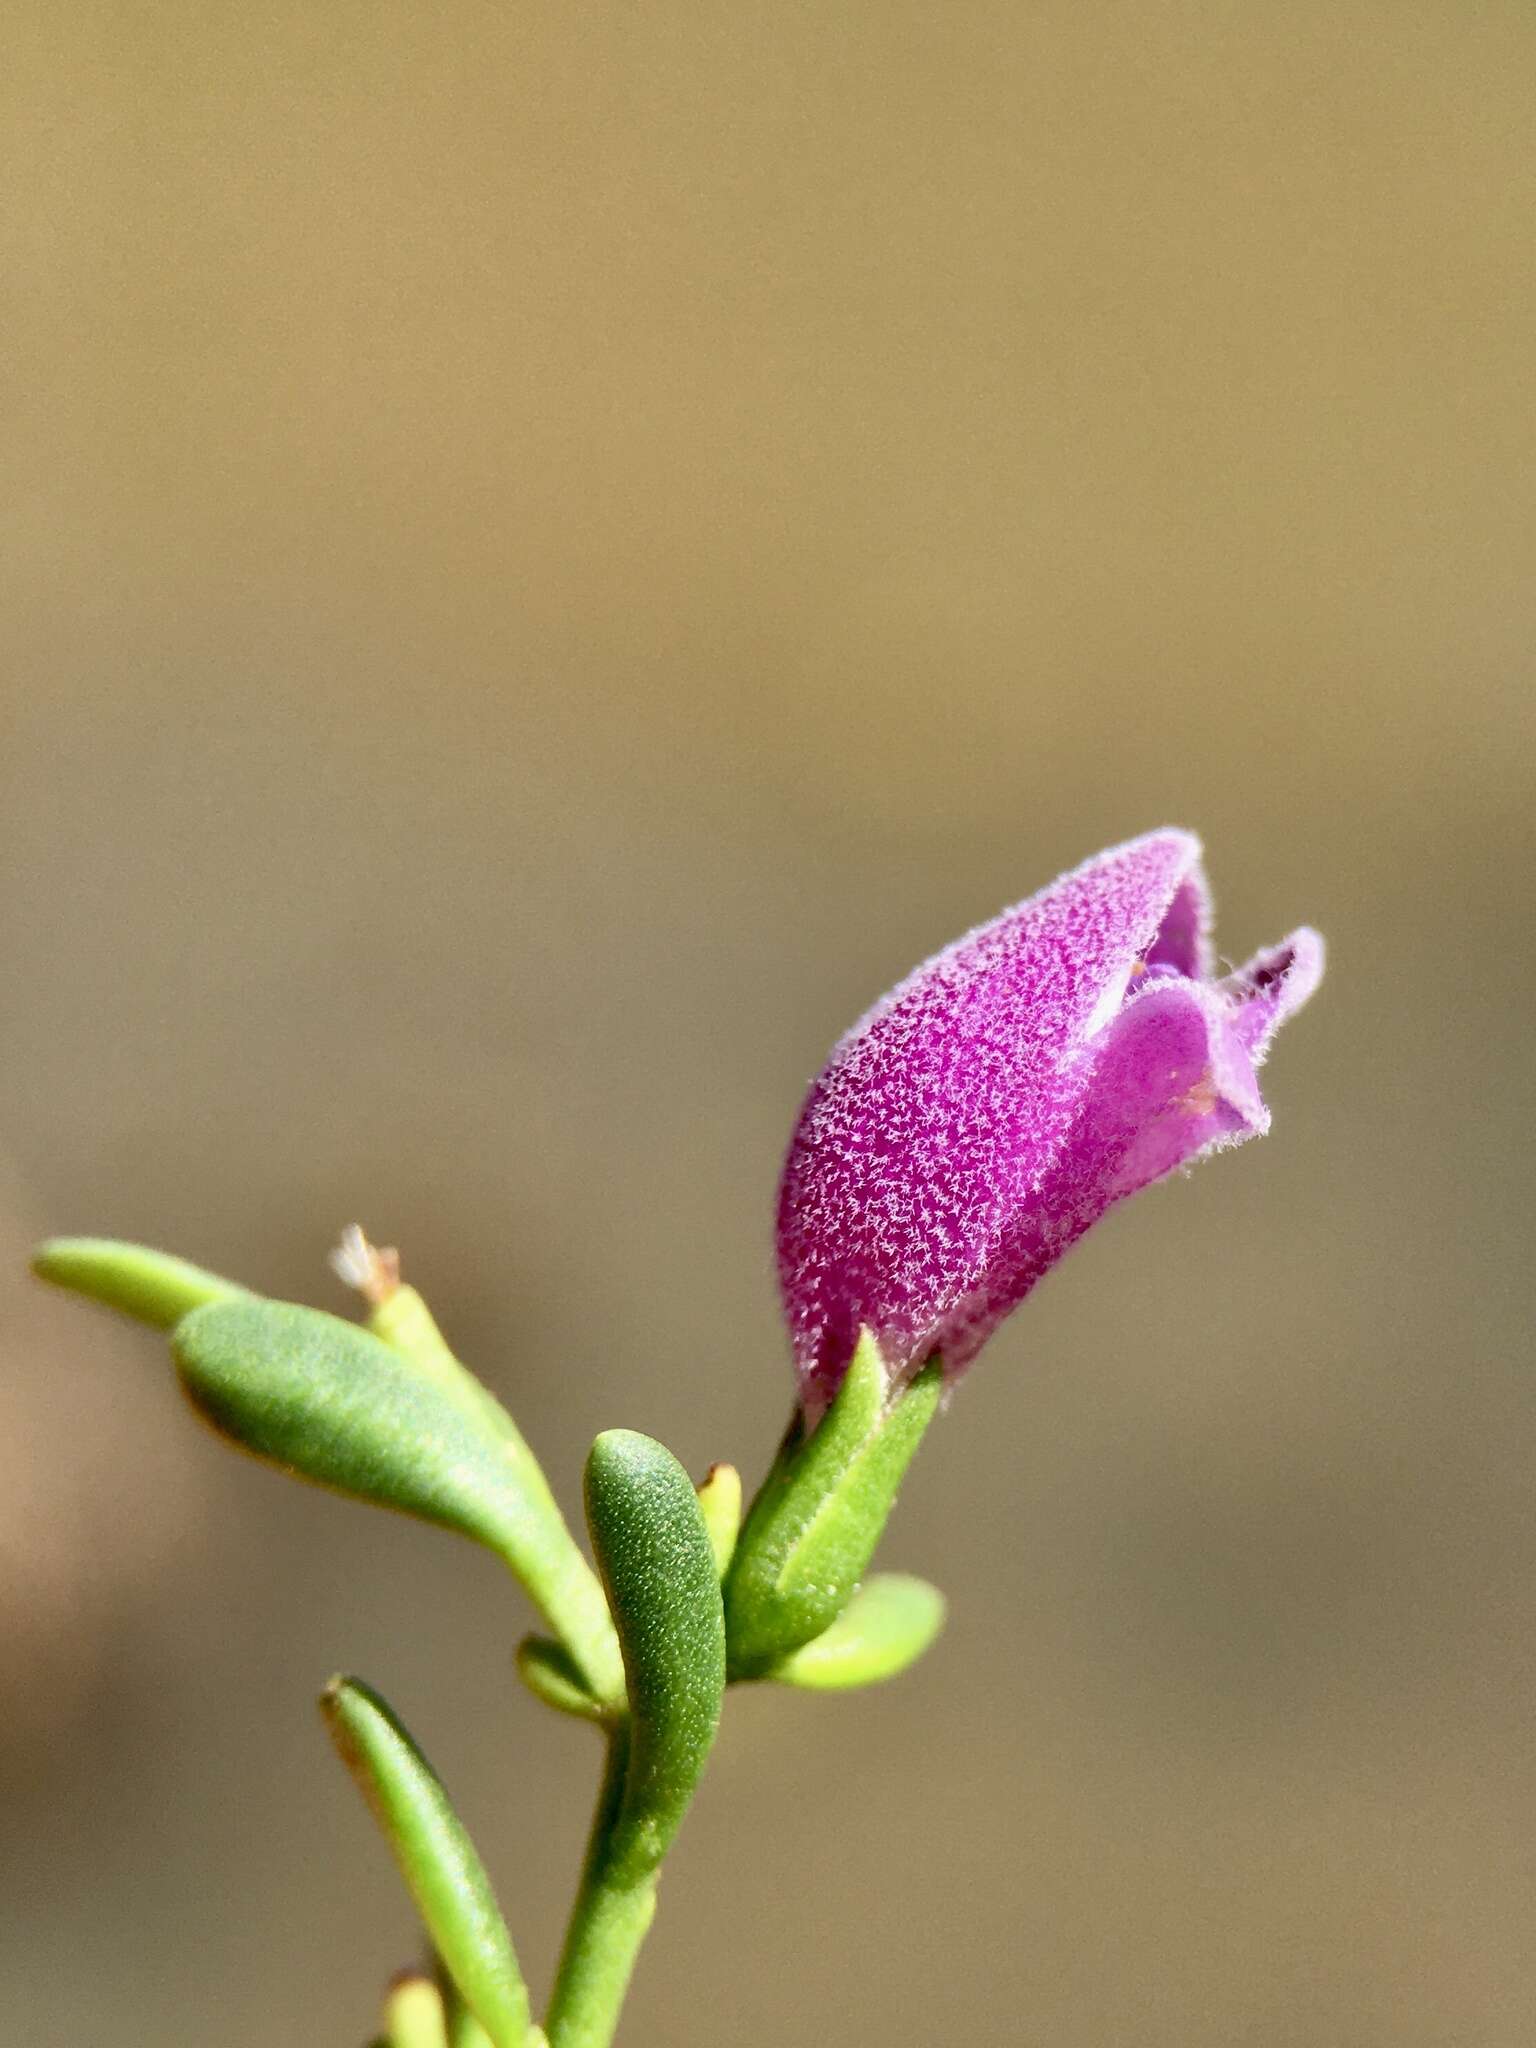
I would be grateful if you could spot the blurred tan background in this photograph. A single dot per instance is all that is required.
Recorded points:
(550, 553)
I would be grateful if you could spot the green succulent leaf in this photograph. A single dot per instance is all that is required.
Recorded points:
(331, 1403)
(150, 1286)
(654, 1553)
(814, 1526)
(334, 1404)
(444, 1875)
(887, 1625)
(463, 2030)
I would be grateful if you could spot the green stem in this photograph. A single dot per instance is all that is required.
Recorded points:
(548, 1561)
(608, 1923)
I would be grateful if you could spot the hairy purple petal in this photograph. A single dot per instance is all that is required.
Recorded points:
(1273, 985)
(990, 1108)
(1183, 939)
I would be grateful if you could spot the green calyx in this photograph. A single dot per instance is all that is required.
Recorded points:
(814, 1526)
(887, 1625)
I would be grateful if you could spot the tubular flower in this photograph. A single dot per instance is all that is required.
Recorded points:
(971, 1127)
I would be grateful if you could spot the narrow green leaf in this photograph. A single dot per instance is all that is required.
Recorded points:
(551, 1675)
(654, 1554)
(402, 1319)
(885, 1627)
(814, 1526)
(332, 1403)
(444, 1875)
(150, 1286)
(720, 1500)
(463, 2029)
(413, 2013)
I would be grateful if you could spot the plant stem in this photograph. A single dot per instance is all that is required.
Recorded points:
(608, 1923)
(546, 1557)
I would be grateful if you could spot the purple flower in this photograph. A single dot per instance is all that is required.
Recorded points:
(969, 1129)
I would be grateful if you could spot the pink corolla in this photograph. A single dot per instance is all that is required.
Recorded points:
(973, 1125)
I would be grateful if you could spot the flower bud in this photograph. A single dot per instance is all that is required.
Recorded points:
(985, 1113)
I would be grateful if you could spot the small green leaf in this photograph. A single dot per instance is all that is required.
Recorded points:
(813, 1528)
(886, 1626)
(654, 1554)
(404, 1322)
(331, 1403)
(413, 2013)
(150, 1286)
(549, 1671)
(720, 1500)
(334, 1404)
(436, 1857)
(463, 2029)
